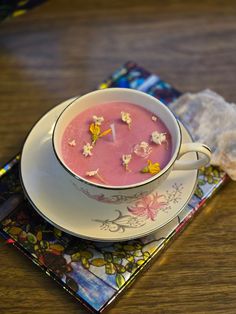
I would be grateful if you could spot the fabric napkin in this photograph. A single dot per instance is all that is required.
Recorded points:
(212, 121)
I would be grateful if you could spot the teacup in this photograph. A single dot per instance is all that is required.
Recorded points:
(127, 193)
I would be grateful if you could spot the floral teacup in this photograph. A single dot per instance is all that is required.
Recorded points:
(126, 193)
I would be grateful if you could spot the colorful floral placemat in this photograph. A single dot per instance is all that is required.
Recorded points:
(95, 273)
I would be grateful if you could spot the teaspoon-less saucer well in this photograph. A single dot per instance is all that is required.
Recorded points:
(52, 193)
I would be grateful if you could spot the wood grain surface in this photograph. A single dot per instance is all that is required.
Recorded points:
(65, 48)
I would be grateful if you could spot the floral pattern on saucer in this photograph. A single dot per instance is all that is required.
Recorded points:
(143, 210)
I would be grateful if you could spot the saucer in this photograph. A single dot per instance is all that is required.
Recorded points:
(52, 193)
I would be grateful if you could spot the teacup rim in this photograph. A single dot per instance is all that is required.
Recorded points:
(117, 187)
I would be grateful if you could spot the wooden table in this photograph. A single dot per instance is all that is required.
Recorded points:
(65, 48)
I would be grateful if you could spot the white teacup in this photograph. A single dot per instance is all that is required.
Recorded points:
(126, 193)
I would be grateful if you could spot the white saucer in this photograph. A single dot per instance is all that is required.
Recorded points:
(52, 193)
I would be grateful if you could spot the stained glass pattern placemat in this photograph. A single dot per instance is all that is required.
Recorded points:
(95, 273)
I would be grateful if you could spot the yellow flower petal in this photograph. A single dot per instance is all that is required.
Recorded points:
(151, 168)
(94, 129)
(105, 133)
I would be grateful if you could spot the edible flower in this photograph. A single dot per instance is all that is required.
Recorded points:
(98, 120)
(72, 143)
(92, 173)
(95, 173)
(125, 161)
(152, 168)
(154, 118)
(95, 130)
(158, 138)
(87, 150)
(142, 149)
(125, 117)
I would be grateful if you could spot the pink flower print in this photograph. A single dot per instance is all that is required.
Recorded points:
(148, 206)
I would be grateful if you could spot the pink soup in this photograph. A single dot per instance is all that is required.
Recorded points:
(109, 149)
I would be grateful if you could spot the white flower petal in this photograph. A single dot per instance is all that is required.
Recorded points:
(92, 173)
(98, 120)
(87, 150)
(125, 117)
(154, 118)
(72, 143)
(142, 149)
(158, 138)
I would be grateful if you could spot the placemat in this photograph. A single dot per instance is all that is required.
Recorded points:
(96, 272)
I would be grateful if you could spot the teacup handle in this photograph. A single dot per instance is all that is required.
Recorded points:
(190, 165)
